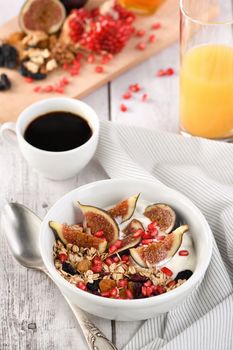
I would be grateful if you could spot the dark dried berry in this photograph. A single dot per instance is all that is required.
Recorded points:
(68, 268)
(94, 286)
(8, 56)
(138, 278)
(184, 275)
(137, 290)
(26, 73)
(5, 83)
(95, 292)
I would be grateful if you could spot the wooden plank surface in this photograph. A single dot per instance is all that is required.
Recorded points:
(21, 94)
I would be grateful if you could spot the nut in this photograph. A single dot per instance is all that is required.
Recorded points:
(32, 67)
(51, 65)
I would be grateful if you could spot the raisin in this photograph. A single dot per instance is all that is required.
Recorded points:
(5, 83)
(68, 268)
(184, 275)
(9, 56)
(94, 286)
(138, 278)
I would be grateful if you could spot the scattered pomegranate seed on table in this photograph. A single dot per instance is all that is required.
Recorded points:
(29, 80)
(37, 89)
(127, 95)
(170, 71)
(145, 97)
(167, 271)
(91, 59)
(135, 87)
(140, 33)
(156, 26)
(99, 69)
(165, 72)
(123, 108)
(183, 252)
(141, 46)
(48, 88)
(152, 38)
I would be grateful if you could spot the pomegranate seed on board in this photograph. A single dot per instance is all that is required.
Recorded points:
(156, 26)
(167, 271)
(145, 97)
(161, 73)
(141, 46)
(90, 58)
(170, 71)
(183, 252)
(152, 38)
(58, 89)
(29, 80)
(99, 233)
(140, 33)
(63, 257)
(99, 69)
(37, 89)
(123, 108)
(48, 88)
(127, 95)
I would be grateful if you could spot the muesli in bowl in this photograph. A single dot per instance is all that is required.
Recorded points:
(132, 250)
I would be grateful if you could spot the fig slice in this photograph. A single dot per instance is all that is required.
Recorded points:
(132, 227)
(126, 243)
(124, 209)
(96, 219)
(163, 214)
(74, 234)
(155, 252)
(42, 15)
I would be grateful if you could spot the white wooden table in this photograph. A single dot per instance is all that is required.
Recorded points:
(33, 314)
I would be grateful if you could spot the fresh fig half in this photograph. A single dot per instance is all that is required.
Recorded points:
(73, 234)
(163, 214)
(126, 243)
(125, 209)
(96, 219)
(155, 252)
(42, 15)
(132, 227)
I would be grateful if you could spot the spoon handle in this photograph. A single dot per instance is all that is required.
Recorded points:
(94, 337)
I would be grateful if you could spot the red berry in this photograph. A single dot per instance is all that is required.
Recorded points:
(129, 294)
(135, 87)
(99, 69)
(108, 261)
(127, 95)
(97, 260)
(148, 283)
(106, 58)
(116, 259)
(170, 71)
(96, 268)
(146, 235)
(118, 244)
(48, 88)
(160, 289)
(153, 225)
(167, 271)
(154, 232)
(63, 257)
(29, 80)
(161, 73)
(160, 238)
(65, 66)
(112, 249)
(141, 46)
(58, 89)
(113, 292)
(139, 233)
(90, 58)
(105, 294)
(144, 97)
(123, 108)
(156, 26)
(152, 38)
(171, 284)
(140, 32)
(99, 233)
(147, 241)
(183, 252)
(122, 283)
(81, 285)
(74, 71)
(125, 258)
(149, 291)
(144, 291)
(37, 88)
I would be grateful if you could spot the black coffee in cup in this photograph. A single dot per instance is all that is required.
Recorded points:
(58, 131)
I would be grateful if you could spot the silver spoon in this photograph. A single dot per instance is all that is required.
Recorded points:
(21, 228)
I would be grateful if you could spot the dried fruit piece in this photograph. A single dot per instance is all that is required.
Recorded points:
(125, 209)
(163, 214)
(5, 83)
(8, 56)
(42, 15)
(132, 227)
(153, 253)
(68, 268)
(128, 242)
(74, 234)
(106, 285)
(84, 265)
(183, 275)
(97, 219)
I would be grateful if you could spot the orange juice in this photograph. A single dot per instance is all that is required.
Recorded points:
(206, 91)
(142, 6)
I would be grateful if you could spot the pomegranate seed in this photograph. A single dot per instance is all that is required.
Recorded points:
(170, 71)
(81, 285)
(135, 87)
(96, 268)
(63, 257)
(129, 294)
(160, 289)
(48, 88)
(156, 26)
(160, 238)
(58, 89)
(167, 271)
(146, 235)
(147, 283)
(122, 283)
(149, 291)
(74, 71)
(65, 66)
(140, 33)
(99, 69)
(37, 89)
(171, 284)
(183, 252)
(105, 294)
(161, 73)
(65, 81)
(108, 261)
(116, 259)
(153, 225)
(138, 233)
(123, 108)
(147, 241)
(79, 56)
(91, 59)
(154, 232)
(127, 95)
(112, 249)
(113, 292)
(97, 260)
(29, 80)
(125, 258)
(106, 58)
(141, 46)
(118, 244)
(152, 38)
(99, 233)
(144, 97)
(144, 291)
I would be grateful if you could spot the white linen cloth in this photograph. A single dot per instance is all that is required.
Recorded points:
(203, 171)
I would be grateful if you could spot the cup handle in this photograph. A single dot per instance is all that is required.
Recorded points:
(7, 130)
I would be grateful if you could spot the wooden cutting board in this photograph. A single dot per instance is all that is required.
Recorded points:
(21, 95)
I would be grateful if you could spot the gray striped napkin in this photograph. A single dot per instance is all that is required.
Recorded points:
(203, 171)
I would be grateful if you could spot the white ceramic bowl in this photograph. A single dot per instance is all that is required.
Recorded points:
(105, 193)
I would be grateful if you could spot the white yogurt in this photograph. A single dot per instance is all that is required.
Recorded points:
(177, 263)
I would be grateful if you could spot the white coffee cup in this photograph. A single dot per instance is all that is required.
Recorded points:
(55, 165)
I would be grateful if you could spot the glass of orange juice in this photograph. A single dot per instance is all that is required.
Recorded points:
(142, 6)
(206, 75)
